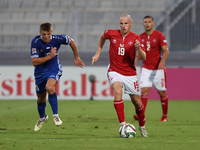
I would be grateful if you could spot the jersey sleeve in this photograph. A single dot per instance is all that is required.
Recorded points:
(35, 50)
(141, 38)
(141, 44)
(163, 41)
(107, 34)
(63, 39)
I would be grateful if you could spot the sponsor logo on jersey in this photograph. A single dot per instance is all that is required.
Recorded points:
(52, 76)
(165, 41)
(47, 47)
(34, 50)
(41, 50)
(154, 40)
(142, 40)
(130, 43)
(121, 45)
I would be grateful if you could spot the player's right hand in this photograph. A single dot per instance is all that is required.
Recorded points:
(53, 52)
(137, 44)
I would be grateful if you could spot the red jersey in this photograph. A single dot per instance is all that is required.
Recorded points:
(153, 44)
(122, 52)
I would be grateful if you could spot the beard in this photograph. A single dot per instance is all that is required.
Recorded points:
(148, 29)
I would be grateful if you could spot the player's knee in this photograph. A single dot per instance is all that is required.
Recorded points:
(41, 99)
(118, 92)
(162, 93)
(138, 103)
(145, 91)
(50, 89)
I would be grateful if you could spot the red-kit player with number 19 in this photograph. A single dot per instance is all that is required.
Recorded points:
(121, 70)
(153, 69)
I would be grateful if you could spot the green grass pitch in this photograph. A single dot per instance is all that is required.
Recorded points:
(93, 125)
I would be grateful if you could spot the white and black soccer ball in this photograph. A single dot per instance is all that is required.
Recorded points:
(127, 130)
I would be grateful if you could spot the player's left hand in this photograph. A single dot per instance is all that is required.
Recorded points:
(161, 65)
(95, 58)
(137, 44)
(79, 62)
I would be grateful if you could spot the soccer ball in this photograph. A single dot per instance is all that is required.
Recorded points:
(127, 130)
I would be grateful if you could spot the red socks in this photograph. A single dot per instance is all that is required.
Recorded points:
(141, 115)
(144, 101)
(164, 102)
(119, 107)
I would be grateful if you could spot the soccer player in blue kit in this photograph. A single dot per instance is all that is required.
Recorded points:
(48, 69)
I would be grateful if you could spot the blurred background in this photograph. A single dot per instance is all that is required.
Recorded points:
(85, 20)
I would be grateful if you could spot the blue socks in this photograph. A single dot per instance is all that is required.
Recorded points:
(41, 109)
(53, 102)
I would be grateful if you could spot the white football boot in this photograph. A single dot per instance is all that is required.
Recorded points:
(143, 132)
(57, 120)
(39, 123)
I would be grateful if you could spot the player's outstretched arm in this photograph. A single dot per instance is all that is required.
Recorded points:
(165, 55)
(77, 60)
(100, 45)
(40, 60)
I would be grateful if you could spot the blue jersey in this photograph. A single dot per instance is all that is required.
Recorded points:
(41, 49)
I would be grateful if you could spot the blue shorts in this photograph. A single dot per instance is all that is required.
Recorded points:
(40, 82)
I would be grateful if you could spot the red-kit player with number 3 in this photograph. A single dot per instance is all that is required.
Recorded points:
(153, 69)
(121, 70)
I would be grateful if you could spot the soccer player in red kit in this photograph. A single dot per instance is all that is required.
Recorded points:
(121, 70)
(153, 69)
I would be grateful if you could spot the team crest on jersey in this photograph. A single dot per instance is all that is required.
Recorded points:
(34, 50)
(142, 40)
(41, 50)
(130, 43)
(154, 40)
(121, 45)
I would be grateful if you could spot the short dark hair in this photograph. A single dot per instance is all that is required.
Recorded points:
(148, 17)
(46, 26)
